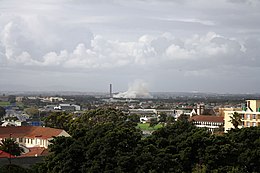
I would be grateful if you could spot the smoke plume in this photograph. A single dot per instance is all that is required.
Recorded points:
(136, 90)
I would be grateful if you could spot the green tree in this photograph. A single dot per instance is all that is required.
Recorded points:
(134, 118)
(11, 98)
(103, 148)
(97, 117)
(102, 141)
(59, 120)
(2, 112)
(247, 142)
(11, 146)
(32, 111)
(163, 117)
(170, 120)
(176, 147)
(183, 117)
(236, 120)
(11, 168)
(153, 122)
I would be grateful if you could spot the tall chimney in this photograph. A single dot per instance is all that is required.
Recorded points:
(110, 91)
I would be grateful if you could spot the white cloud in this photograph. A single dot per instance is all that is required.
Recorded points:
(22, 45)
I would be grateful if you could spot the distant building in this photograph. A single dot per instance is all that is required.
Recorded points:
(66, 107)
(49, 107)
(200, 109)
(250, 115)
(4, 98)
(212, 123)
(19, 99)
(11, 123)
(53, 99)
(147, 119)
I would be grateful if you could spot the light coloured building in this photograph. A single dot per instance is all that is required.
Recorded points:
(250, 115)
(65, 107)
(212, 123)
(31, 136)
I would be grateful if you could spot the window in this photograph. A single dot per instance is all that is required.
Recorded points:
(248, 116)
(254, 124)
(31, 141)
(248, 124)
(254, 116)
(20, 139)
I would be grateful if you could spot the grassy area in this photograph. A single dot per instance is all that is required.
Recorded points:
(4, 103)
(146, 126)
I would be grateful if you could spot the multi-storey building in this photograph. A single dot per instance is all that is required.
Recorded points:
(250, 115)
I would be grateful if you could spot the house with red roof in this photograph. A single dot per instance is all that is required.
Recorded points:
(212, 123)
(31, 136)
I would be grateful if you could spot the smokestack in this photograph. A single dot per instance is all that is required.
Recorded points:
(110, 91)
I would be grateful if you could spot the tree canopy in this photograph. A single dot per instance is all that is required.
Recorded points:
(103, 141)
(235, 120)
(10, 146)
(2, 112)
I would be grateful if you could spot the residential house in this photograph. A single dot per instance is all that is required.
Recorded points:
(31, 136)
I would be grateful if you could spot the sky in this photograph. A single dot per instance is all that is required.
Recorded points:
(166, 45)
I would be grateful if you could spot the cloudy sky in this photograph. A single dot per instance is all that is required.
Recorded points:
(170, 45)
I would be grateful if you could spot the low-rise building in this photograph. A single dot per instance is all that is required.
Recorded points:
(67, 107)
(212, 123)
(31, 136)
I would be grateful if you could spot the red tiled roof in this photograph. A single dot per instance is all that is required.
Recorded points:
(29, 132)
(5, 155)
(35, 151)
(206, 118)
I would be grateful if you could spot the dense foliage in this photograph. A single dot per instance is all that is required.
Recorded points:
(2, 112)
(9, 145)
(104, 141)
(10, 168)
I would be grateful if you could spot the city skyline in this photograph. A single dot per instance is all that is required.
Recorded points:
(176, 46)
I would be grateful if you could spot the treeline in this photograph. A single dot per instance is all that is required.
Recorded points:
(104, 140)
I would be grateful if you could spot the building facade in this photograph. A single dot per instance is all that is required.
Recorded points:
(250, 115)
(212, 123)
(31, 136)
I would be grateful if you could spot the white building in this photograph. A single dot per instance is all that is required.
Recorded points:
(67, 107)
(212, 123)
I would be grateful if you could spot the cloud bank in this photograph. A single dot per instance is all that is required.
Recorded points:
(172, 45)
(20, 46)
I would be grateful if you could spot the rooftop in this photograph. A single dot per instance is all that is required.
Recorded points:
(36, 151)
(208, 118)
(5, 155)
(29, 132)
